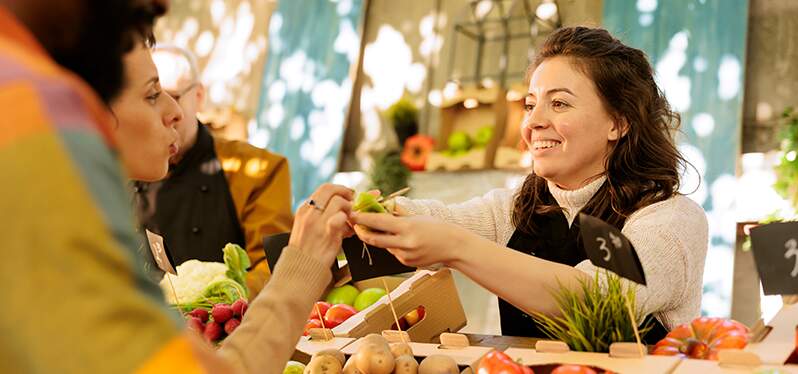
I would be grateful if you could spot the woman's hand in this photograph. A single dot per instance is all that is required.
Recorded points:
(416, 241)
(321, 222)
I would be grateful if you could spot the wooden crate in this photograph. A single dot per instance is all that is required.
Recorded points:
(491, 109)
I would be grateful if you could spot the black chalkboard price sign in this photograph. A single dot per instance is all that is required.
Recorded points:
(775, 247)
(607, 248)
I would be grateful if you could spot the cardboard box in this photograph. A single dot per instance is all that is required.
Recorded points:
(690, 366)
(647, 364)
(307, 347)
(435, 291)
(779, 339)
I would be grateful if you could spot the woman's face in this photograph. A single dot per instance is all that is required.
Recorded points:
(566, 126)
(145, 132)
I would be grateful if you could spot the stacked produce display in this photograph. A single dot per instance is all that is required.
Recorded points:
(377, 356)
(212, 296)
(346, 301)
(221, 321)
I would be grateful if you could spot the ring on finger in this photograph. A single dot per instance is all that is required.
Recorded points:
(313, 204)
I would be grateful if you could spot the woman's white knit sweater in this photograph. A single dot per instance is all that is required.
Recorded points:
(670, 238)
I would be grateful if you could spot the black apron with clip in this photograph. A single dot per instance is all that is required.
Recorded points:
(556, 242)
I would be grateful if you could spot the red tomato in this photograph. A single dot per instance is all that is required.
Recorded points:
(496, 362)
(573, 369)
(337, 314)
(702, 338)
(312, 324)
(323, 306)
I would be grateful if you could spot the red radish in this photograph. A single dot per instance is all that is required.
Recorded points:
(231, 325)
(196, 324)
(221, 313)
(202, 314)
(239, 307)
(213, 332)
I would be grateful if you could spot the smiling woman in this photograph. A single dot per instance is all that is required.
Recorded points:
(146, 118)
(599, 130)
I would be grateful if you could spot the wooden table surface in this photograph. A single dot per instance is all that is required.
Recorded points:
(499, 342)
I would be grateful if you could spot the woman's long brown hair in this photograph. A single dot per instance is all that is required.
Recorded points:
(642, 167)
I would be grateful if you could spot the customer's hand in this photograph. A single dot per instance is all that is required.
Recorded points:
(321, 222)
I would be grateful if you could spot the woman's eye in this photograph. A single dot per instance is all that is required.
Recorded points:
(529, 107)
(154, 97)
(558, 104)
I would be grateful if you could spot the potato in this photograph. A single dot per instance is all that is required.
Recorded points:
(375, 339)
(401, 349)
(375, 358)
(438, 364)
(324, 365)
(351, 366)
(331, 352)
(405, 364)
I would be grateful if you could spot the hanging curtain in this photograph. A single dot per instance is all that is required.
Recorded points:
(306, 90)
(698, 50)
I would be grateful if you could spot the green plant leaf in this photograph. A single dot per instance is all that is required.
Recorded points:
(237, 262)
(593, 317)
(388, 173)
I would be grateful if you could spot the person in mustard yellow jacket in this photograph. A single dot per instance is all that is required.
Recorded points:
(217, 191)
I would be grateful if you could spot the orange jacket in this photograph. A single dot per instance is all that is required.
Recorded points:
(252, 175)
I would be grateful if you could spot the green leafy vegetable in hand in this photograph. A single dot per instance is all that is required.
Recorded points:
(367, 203)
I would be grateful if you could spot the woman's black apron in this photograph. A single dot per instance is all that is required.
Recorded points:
(557, 243)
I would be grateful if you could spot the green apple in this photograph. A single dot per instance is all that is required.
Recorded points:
(367, 297)
(343, 295)
(459, 141)
(483, 136)
(293, 367)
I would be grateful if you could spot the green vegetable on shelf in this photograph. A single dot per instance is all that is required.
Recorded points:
(483, 136)
(459, 141)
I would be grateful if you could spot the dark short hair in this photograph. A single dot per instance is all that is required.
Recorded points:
(143, 19)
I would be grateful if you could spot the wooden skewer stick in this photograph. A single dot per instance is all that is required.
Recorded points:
(393, 310)
(395, 194)
(634, 326)
(321, 319)
(174, 292)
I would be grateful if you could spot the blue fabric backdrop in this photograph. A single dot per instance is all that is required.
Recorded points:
(313, 45)
(698, 50)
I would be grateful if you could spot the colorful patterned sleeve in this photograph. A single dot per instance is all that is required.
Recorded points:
(75, 299)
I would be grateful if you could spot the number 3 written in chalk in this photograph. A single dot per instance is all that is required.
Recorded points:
(792, 251)
(603, 247)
